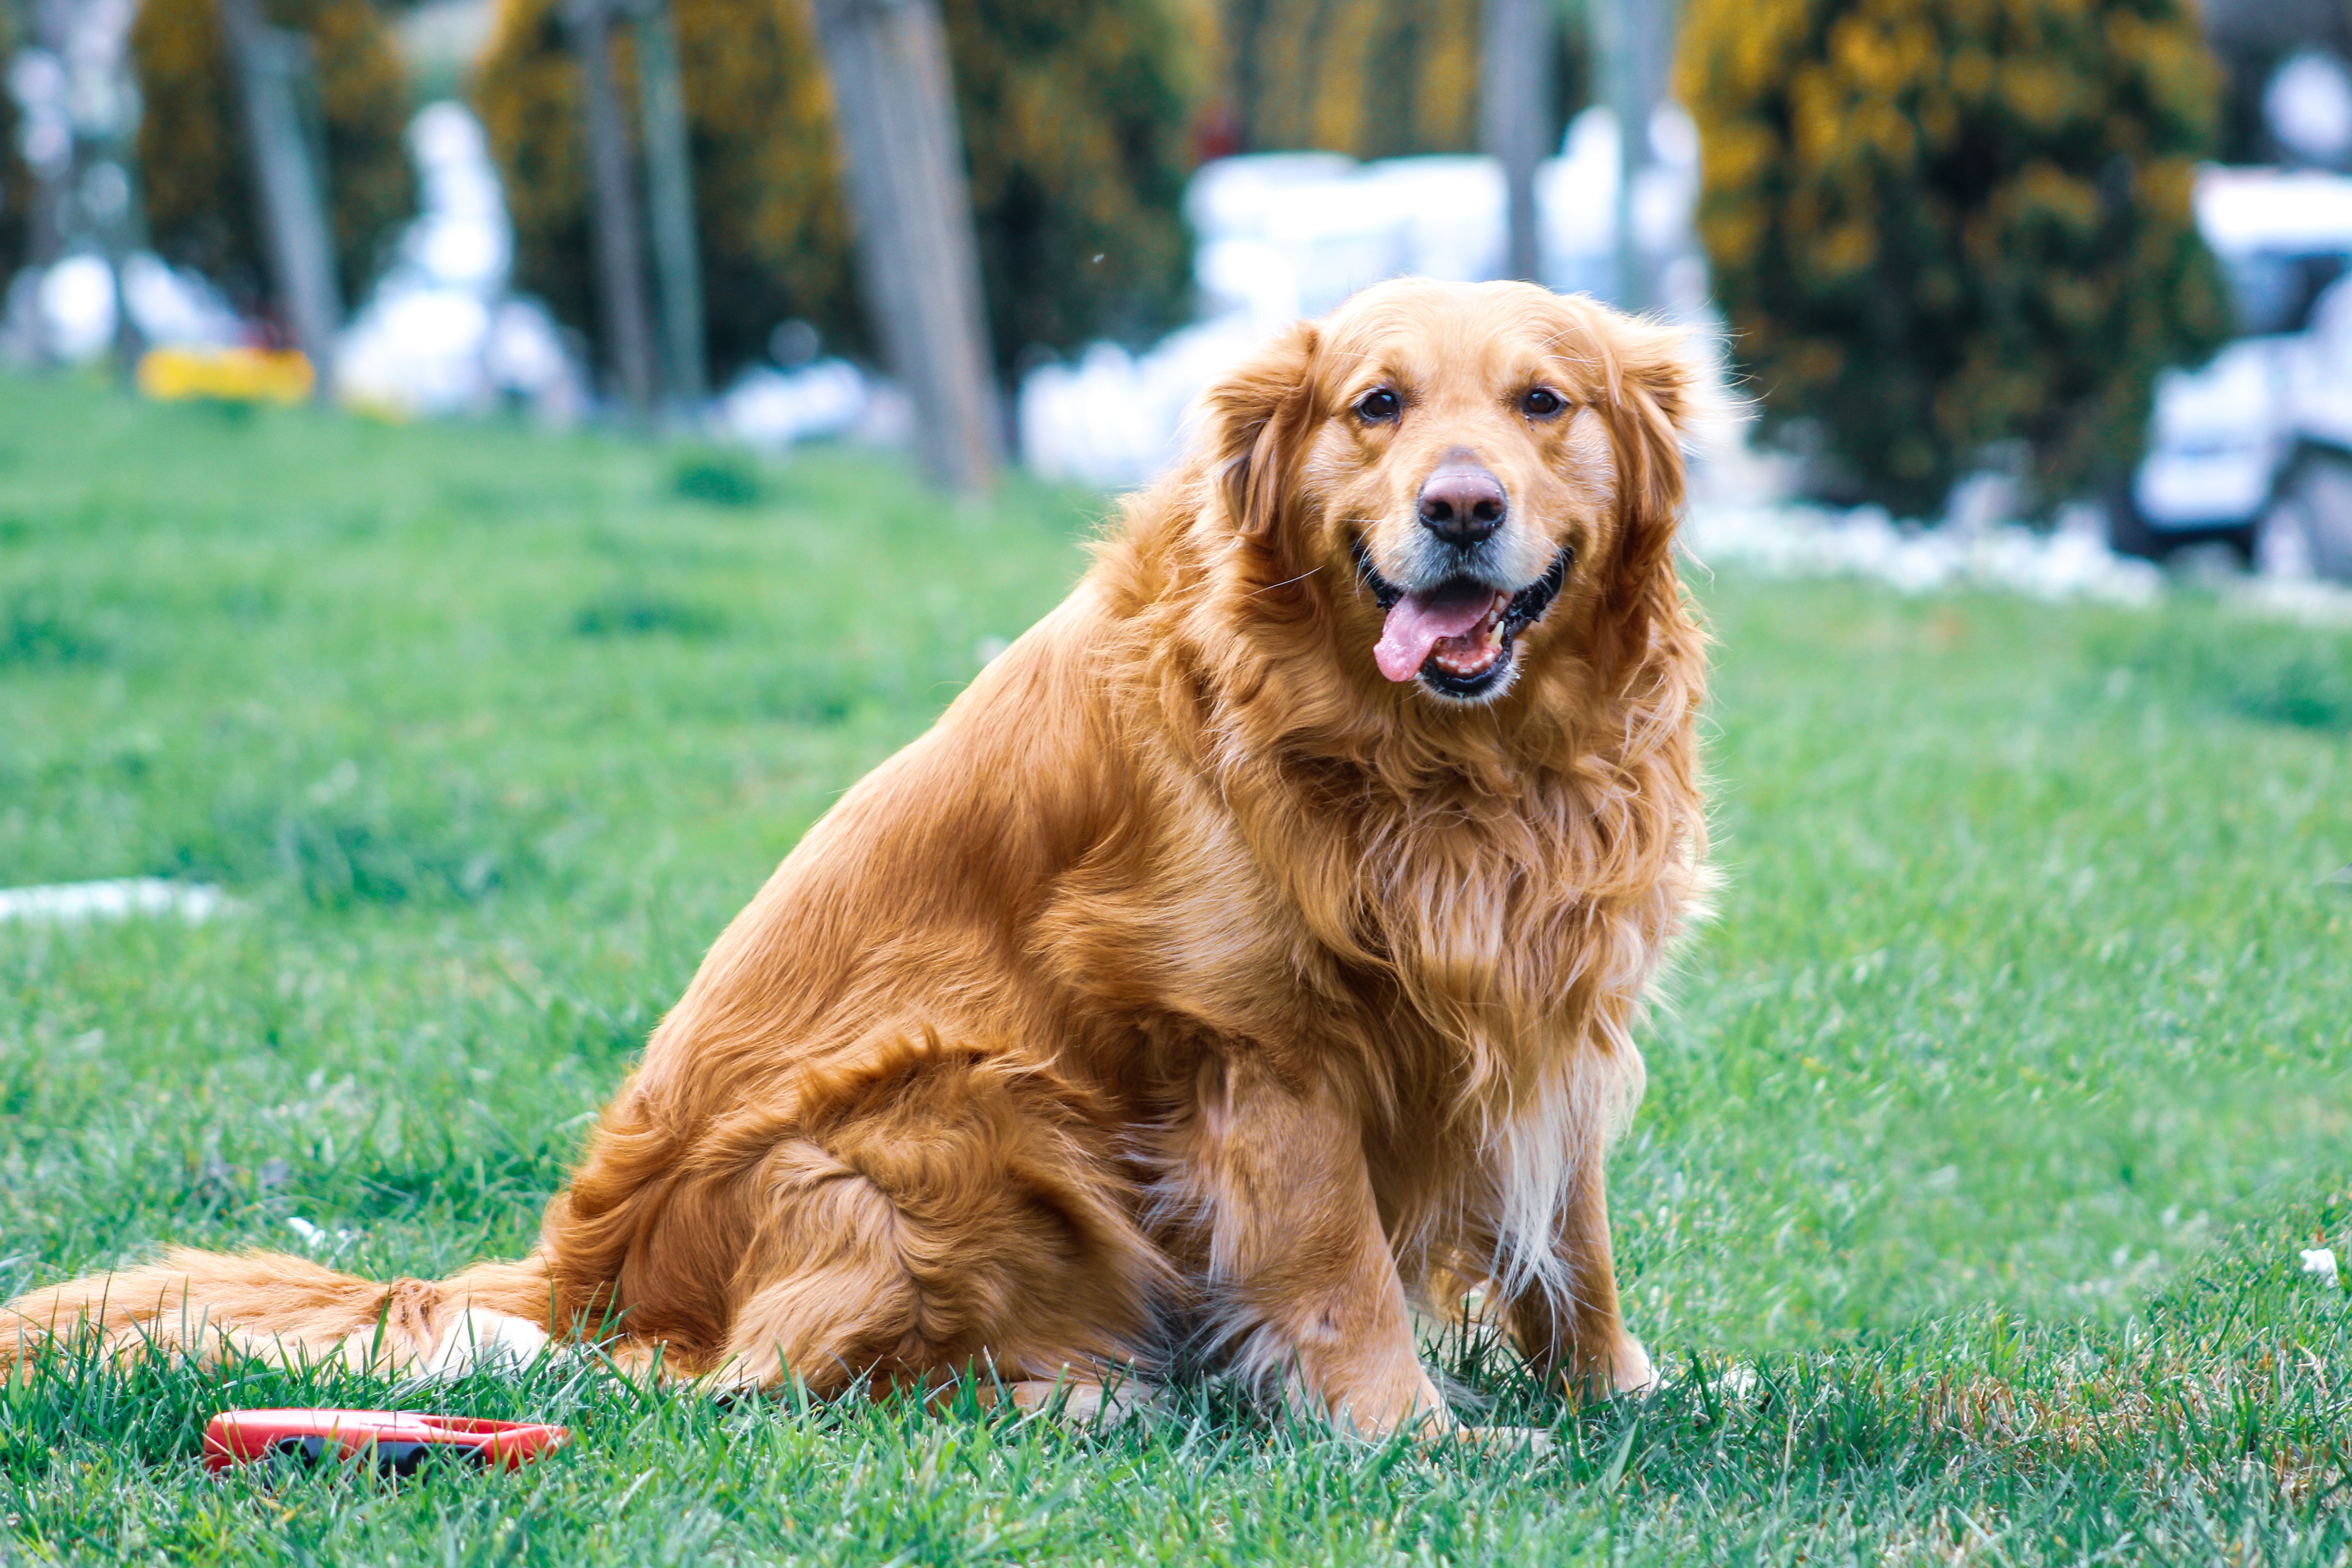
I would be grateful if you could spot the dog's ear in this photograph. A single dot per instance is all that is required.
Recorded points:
(1652, 404)
(1256, 420)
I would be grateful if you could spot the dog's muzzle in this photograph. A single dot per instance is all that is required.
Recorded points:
(1457, 637)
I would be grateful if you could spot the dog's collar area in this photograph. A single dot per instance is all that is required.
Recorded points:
(1523, 609)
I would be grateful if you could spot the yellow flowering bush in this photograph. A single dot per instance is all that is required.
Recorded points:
(1373, 78)
(774, 232)
(1938, 224)
(194, 172)
(1074, 117)
(1377, 78)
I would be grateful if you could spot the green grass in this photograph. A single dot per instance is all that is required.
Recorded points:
(1984, 1121)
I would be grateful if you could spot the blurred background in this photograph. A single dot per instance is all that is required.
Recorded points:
(2074, 265)
(479, 479)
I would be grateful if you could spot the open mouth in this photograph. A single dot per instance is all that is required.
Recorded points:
(1459, 636)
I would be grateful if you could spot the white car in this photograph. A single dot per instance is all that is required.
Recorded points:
(2254, 449)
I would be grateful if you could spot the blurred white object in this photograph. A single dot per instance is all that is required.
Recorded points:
(1290, 235)
(2253, 215)
(100, 96)
(1286, 234)
(176, 306)
(1238, 195)
(2073, 562)
(66, 313)
(2215, 439)
(1114, 419)
(2308, 105)
(1578, 193)
(74, 85)
(74, 95)
(526, 359)
(2254, 450)
(417, 349)
(318, 1237)
(442, 334)
(68, 902)
(774, 408)
(75, 301)
(2320, 1263)
(37, 80)
(461, 238)
(483, 1341)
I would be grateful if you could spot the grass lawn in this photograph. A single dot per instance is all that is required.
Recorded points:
(1984, 1127)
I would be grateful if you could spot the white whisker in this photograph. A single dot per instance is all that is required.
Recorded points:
(1286, 583)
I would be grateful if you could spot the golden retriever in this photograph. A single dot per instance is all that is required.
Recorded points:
(1252, 951)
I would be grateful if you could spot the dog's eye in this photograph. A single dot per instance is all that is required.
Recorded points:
(1540, 403)
(1379, 406)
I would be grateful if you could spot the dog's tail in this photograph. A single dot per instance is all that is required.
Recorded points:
(210, 1305)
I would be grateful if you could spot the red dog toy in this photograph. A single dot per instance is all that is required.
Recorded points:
(398, 1441)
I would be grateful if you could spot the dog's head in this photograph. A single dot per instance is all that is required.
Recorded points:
(1483, 477)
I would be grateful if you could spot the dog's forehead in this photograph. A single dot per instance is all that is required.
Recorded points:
(1436, 337)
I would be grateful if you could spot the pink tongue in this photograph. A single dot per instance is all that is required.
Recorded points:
(1417, 625)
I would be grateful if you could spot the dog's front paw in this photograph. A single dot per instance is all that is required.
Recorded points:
(1630, 1369)
(1526, 1442)
(1375, 1406)
(1080, 1402)
(1624, 1368)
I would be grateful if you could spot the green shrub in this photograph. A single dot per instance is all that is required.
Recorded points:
(1938, 224)
(769, 215)
(1074, 118)
(1077, 116)
(202, 210)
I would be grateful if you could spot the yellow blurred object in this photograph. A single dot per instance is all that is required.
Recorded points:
(1941, 226)
(229, 376)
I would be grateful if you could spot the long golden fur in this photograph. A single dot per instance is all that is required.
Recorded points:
(1190, 977)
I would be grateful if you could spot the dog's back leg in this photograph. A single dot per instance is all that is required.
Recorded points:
(939, 1212)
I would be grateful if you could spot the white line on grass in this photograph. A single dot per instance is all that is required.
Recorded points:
(67, 902)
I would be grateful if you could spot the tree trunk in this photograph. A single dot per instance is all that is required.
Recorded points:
(669, 194)
(620, 266)
(300, 245)
(895, 108)
(1632, 42)
(1513, 113)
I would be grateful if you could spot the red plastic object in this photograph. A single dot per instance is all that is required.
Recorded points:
(400, 1440)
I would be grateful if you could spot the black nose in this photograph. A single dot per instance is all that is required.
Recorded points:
(1462, 503)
